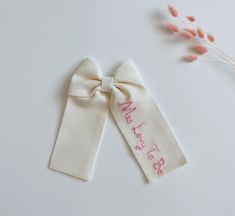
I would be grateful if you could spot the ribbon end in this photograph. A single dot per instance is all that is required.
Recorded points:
(80, 177)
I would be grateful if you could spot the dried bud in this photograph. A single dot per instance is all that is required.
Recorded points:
(210, 37)
(173, 11)
(201, 33)
(190, 58)
(192, 31)
(172, 27)
(187, 34)
(191, 18)
(199, 48)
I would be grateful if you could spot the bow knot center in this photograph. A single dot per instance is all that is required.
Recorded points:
(107, 84)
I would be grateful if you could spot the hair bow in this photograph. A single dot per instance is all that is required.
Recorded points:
(90, 95)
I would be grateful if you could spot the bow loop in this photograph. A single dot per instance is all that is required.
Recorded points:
(127, 73)
(88, 79)
(85, 80)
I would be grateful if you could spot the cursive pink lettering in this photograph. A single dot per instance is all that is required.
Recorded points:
(139, 136)
(128, 108)
(158, 166)
(150, 154)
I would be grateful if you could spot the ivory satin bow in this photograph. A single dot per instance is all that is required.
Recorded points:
(90, 96)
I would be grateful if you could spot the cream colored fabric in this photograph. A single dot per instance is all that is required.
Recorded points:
(90, 96)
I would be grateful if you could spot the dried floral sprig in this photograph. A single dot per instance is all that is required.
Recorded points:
(205, 41)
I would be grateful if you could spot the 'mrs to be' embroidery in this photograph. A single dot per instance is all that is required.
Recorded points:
(128, 109)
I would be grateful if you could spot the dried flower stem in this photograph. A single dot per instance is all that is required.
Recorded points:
(228, 56)
(219, 52)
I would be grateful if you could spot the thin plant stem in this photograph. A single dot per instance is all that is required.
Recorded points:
(213, 47)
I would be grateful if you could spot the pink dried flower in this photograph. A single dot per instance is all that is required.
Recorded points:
(199, 48)
(192, 31)
(191, 58)
(172, 27)
(191, 18)
(187, 34)
(201, 33)
(210, 37)
(173, 11)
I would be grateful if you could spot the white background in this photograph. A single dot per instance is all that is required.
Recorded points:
(42, 42)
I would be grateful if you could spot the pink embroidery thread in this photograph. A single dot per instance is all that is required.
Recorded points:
(128, 109)
(149, 153)
(158, 166)
(139, 136)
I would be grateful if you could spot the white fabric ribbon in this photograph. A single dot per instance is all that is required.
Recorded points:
(90, 96)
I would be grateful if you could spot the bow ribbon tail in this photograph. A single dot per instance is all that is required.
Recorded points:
(144, 127)
(80, 132)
